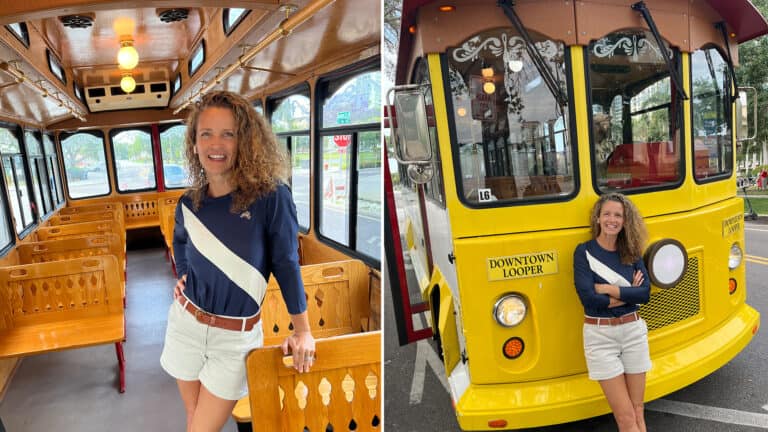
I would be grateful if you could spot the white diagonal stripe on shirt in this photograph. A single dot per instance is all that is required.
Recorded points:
(606, 272)
(237, 269)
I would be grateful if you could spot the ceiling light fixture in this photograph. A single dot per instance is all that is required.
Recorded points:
(128, 84)
(127, 57)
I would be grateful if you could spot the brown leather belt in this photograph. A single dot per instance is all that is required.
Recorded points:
(628, 318)
(235, 324)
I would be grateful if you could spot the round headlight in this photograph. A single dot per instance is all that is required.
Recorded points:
(509, 310)
(735, 256)
(667, 261)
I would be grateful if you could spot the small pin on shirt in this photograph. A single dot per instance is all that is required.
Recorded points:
(245, 215)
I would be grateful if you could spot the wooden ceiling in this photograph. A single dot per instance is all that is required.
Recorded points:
(89, 55)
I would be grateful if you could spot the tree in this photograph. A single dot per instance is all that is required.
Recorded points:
(753, 56)
(392, 15)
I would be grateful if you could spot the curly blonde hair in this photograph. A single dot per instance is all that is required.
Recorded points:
(261, 164)
(632, 237)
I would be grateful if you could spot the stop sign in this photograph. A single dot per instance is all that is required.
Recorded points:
(342, 140)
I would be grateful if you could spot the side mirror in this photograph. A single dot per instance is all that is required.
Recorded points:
(743, 113)
(413, 144)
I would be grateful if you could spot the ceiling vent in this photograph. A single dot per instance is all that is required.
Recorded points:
(77, 21)
(154, 94)
(172, 15)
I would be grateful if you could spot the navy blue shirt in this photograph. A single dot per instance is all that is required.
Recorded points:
(228, 257)
(596, 305)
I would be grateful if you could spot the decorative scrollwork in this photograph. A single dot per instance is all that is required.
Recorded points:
(629, 45)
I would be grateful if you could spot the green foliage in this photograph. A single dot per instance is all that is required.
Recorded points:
(753, 59)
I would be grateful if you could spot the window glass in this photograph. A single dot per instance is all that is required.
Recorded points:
(51, 162)
(369, 189)
(85, 164)
(177, 84)
(134, 162)
(258, 107)
(291, 114)
(232, 17)
(300, 177)
(198, 57)
(512, 137)
(634, 108)
(15, 180)
(20, 31)
(55, 65)
(175, 170)
(354, 101)
(335, 177)
(6, 236)
(711, 108)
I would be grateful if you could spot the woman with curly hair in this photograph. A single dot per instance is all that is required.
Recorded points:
(235, 226)
(611, 280)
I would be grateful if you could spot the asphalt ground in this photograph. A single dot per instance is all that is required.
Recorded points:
(732, 399)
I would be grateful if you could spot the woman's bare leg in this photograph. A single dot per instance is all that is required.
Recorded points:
(636, 388)
(190, 391)
(615, 390)
(211, 412)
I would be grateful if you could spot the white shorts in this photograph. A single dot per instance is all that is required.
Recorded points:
(216, 357)
(614, 350)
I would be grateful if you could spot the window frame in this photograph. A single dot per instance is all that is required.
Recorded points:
(677, 63)
(23, 37)
(53, 159)
(301, 89)
(115, 131)
(53, 60)
(97, 133)
(18, 132)
(228, 29)
(727, 115)
(193, 53)
(162, 128)
(31, 159)
(320, 95)
(570, 133)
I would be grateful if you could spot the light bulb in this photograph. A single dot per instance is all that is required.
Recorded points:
(461, 112)
(127, 57)
(489, 87)
(515, 65)
(487, 72)
(128, 84)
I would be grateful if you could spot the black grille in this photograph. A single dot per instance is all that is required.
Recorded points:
(173, 15)
(76, 21)
(675, 304)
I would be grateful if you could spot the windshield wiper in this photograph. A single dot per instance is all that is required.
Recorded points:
(721, 26)
(546, 74)
(640, 7)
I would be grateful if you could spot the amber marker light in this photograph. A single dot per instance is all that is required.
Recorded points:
(497, 423)
(447, 8)
(513, 348)
(755, 328)
(732, 286)
(412, 29)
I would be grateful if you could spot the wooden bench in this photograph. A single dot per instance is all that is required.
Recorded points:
(338, 303)
(61, 305)
(341, 392)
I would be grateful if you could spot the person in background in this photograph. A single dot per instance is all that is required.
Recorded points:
(611, 280)
(235, 226)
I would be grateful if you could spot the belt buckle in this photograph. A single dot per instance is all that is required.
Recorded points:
(204, 317)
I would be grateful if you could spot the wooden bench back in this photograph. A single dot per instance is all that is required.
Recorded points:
(85, 207)
(75, 247)
(78, 230)
(141, 210)
(110, 215)
(343, 389)
(32, 294)
(337, 299)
